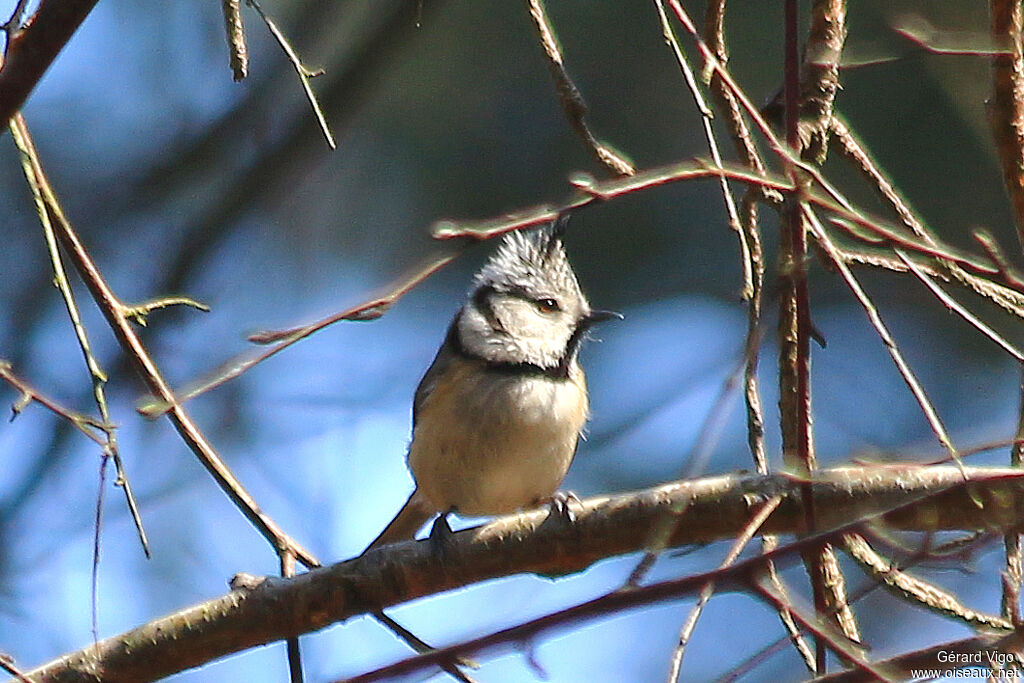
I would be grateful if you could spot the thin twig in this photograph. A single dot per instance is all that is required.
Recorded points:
(116, 315)
(708, 436)
(709, 137)
(14, 23)
(883, 333)
(756, 520)
(83, 423)
(139, 312)
(36, 182)
(854, 151)
(991, 246)
(569, 94)
(287, 561)
(304, 73)
(279, 340)
(761, 655)
(954, 305)
(916, 590)
(794, 339)
(235, 29)
(7, 664)
(828, 635)
(451, 667)
(714, 35)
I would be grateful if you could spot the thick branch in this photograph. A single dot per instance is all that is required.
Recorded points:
(1006, 108)
(267, 610)
(33, 49)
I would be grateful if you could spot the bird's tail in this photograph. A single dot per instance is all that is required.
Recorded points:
(413, 515)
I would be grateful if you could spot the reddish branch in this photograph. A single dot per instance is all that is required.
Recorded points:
(33, 48)
(1006, 120)
(1006, 109)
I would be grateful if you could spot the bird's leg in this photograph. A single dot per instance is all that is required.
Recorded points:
(441, 534)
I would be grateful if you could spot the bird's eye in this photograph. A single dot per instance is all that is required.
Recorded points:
(547, 305)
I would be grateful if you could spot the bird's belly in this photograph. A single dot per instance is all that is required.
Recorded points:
(510, 447)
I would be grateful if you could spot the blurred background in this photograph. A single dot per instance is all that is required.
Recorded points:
(181, 181)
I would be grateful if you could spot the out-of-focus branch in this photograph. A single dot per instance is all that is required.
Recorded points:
(1006, 107)
(569, 95)
(118, 316)
(950, 656)
(1006, 121)
(90, 426)
(303, 72)
(732, 114)
(266, 610)
(234, 27)
(32, 49)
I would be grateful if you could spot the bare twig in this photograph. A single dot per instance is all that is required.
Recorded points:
(991, 246)
(883, 333)
(915, 590)
(304, 73)
(13, 24)
(828, 635)
(83, 423)
(569, 94)
(279, 340)
(292, 644)
(139, 312)
(7, 664)
(36, 182)
(854, 151)
(796, 328)
(708, 437)
(32, 49)
(708, 590)
(709, 136)
(117, 317)
(714, 35)
(235, 29)
(954, 305)
(760, 656)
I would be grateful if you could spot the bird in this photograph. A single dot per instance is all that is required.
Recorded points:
(498, 415)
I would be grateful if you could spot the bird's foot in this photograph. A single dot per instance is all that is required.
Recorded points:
(441, 535)
(560, 505)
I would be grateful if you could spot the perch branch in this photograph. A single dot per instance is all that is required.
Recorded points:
(271, 609)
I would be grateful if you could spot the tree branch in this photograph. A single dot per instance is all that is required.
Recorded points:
(32, 50)
(264, 610)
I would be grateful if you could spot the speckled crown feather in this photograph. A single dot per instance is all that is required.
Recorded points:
(533, 262)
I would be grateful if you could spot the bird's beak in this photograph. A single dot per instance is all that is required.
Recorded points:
(595, 317)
